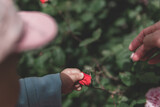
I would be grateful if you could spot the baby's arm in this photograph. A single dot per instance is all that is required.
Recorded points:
(40, 91)
(46, 91)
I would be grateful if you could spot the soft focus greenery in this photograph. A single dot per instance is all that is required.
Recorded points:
(94, 36)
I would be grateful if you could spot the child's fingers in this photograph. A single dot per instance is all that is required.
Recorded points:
(78, 88)
(77, 76)
(77, 85)
(71, 70)
(74, 74)
(74, 70)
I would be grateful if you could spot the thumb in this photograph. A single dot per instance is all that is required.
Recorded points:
(77, 76)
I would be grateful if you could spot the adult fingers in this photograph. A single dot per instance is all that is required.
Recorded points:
(143, 53)
(149, 54)
(150, 42)
(155, 59)
(138, 41)
(140, 53)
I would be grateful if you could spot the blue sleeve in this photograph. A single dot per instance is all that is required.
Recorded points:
(40, 91)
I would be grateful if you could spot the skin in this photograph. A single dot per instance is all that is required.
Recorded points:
(9, 88)
(9, 34)
(69, 78)
(146, 44)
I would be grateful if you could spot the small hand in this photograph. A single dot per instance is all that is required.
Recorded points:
(146, 44)
(69, 78)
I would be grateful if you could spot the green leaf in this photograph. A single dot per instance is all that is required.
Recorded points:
(149, 77)
(123, 105)
(127, 78)
(122, 99)
(120, 22)
(58, 57)
(123, 58)
(133, 103)
(87, 17)
(96, 35)
(139, 101)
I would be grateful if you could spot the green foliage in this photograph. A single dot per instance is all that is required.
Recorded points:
(94, 36)
(127, 78)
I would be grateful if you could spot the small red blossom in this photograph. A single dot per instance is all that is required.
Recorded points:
(43, 1)
(86, 80)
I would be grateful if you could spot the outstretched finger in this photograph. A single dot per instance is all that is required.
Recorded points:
(155, 59)
(138, 41)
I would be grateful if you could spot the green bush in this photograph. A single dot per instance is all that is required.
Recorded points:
(94, 36)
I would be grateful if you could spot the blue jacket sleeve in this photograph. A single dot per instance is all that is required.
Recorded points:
(40, 91)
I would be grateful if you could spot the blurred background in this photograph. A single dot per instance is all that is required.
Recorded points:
(94, 36)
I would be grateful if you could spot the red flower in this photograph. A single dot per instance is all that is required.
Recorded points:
(43, 1)
(86, 80)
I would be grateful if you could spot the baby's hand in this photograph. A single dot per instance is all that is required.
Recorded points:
(69, 77)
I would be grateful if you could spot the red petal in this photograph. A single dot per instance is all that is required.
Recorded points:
(43, 1)
(86, 80)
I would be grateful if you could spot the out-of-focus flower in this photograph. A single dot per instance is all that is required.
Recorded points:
(86, 80)
(153, 97)
(43, 1)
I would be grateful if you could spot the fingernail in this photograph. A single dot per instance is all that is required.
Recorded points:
(79, 88)
(82, 75)
(132, 55)
(135, 58)
(130, 47)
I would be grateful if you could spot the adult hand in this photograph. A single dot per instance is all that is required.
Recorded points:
(69, 78)
(146, 44)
